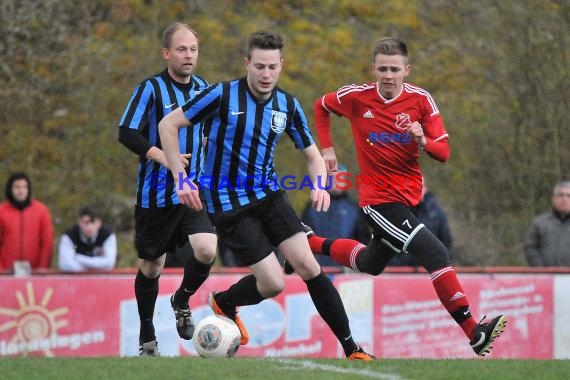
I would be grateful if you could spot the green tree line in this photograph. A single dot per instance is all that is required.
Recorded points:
(498, 70)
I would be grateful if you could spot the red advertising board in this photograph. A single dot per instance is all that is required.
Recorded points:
(394, 316)
(410, 321)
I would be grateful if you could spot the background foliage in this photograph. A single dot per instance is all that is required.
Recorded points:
(499, 71)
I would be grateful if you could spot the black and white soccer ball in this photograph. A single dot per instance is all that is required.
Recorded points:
(216, 337)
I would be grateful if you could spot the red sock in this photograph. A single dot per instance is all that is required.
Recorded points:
(452, 296)
(344, 252)
(316, 244)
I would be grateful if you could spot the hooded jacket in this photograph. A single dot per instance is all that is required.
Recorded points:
(26, 229)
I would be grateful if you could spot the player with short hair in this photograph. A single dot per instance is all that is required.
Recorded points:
(392, 122)
(161, 220)
(251, 213)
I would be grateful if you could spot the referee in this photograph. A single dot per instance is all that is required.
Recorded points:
(251, 213)
(161, 221)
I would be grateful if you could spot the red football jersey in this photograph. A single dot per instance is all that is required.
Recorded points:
(388, 156)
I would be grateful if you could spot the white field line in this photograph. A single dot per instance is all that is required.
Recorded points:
(307, 364)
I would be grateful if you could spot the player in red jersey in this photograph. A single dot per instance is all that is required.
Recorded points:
(392, 122)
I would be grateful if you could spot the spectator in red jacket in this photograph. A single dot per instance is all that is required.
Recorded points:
(26, 229)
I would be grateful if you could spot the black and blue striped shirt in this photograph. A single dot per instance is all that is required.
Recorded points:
(151, 100)
(242, 134)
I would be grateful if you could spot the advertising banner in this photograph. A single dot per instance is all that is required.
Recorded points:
(392, 316)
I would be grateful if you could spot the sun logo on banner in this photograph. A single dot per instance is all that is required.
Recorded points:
(33, 322)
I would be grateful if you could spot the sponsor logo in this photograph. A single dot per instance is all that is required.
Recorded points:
(481, 340)
(457, 296)
(35, 327)
(388, 138)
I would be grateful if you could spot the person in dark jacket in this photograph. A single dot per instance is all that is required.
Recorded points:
(547, 241)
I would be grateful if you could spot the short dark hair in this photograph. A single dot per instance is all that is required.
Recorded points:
(265, 41)
(89, 212)
(560, 185)
(390, 46)
(171, 29)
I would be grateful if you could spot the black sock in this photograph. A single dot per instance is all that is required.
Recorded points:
(330, 307)
(146, 292)
(326, 247)
(243, 292)
(195, 273)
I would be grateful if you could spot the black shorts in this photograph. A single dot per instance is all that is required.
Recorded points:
(159, 230)
(398, 230)
(254, 231)
(394, 224)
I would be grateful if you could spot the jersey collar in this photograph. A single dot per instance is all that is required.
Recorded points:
(388, 100)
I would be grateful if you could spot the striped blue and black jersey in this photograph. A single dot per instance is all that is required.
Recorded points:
(151, 100)
(242, 134)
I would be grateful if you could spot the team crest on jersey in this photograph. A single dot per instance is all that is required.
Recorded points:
(402, 119)
(278, 121)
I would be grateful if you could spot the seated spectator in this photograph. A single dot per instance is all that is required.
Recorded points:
(26, 228)
(547, 241)
(342, 220)
(430, 213)
(87, 245)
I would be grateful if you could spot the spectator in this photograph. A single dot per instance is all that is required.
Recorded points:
(26, 228)
(547, 242)
(342, 220)
(431, 214)
(88, 244)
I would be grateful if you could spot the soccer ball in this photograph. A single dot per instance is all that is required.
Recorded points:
(216, 337)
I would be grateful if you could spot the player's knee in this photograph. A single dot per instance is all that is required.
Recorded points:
(205, 247)
(272, 289)
(308, 269)
(275, 291)
(205, 254)
(372, 262)
(151, 268)
(151, 271)
(436, 259)
(375, 271)
(429, 251)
